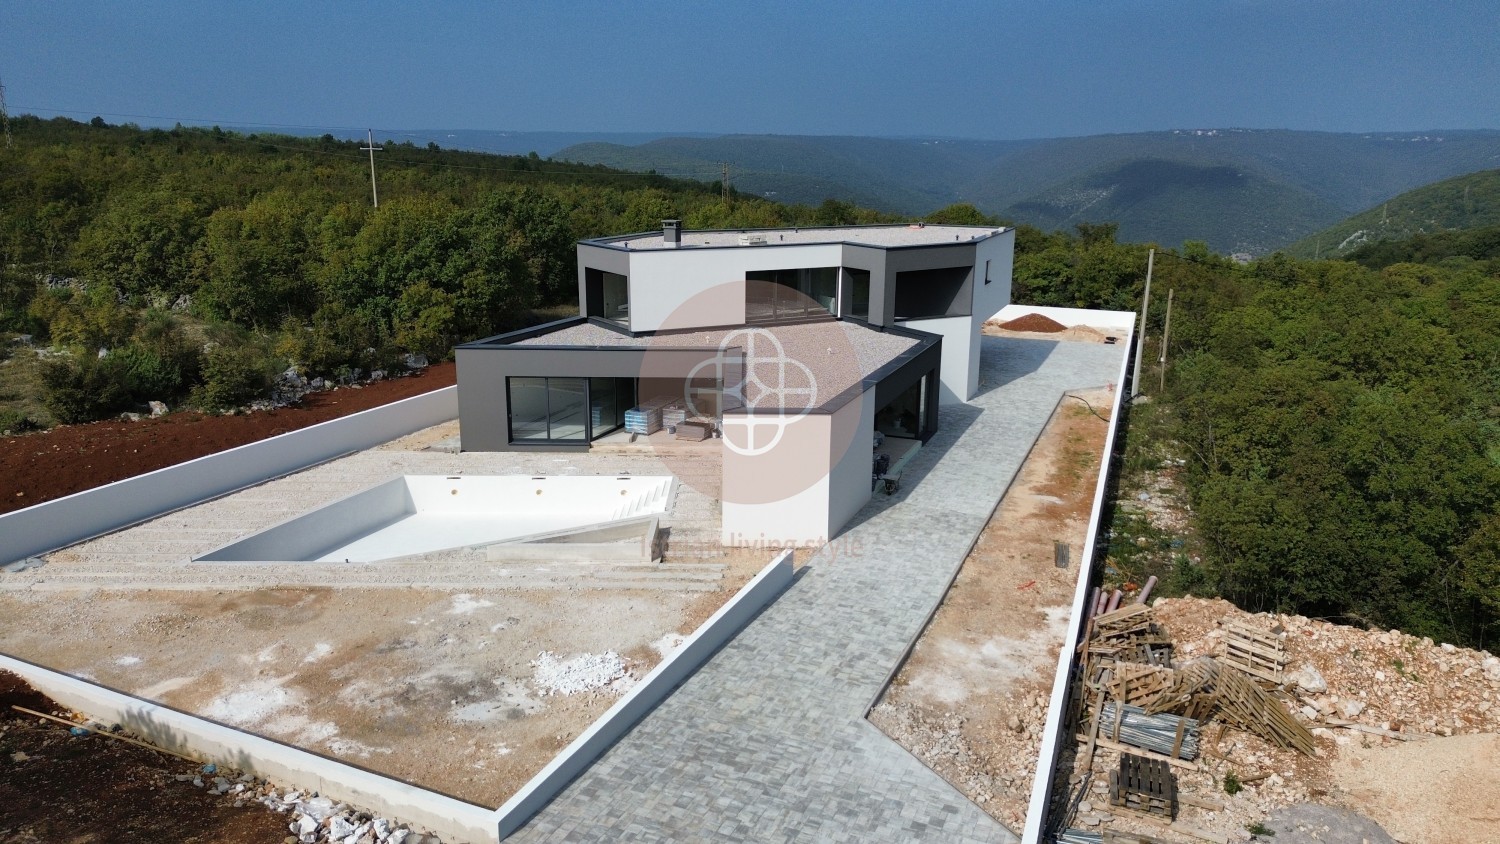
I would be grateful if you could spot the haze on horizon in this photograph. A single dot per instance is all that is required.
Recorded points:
(995, 70)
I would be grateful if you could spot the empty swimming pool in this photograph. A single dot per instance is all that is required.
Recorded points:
(418, 514)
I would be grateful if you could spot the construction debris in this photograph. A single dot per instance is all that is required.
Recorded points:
(1202, 688)
(1170, 735)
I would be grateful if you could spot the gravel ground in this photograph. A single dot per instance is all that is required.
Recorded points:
(840, 352)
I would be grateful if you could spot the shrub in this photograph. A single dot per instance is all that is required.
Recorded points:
(1232, 784)
(83, 390)
(16, 422)
(233, 376)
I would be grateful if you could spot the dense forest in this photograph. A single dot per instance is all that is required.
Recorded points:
(1338, 427)
(1338, 419)
(205, 261)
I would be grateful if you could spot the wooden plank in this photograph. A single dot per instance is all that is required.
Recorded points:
(1088, 753)
(1202, 803)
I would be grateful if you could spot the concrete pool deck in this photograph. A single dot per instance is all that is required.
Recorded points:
(768, 741)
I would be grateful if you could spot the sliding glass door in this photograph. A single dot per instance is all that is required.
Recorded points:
(566, 410)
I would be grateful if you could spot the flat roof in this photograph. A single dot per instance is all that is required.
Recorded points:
(884, 236)
(839, 354)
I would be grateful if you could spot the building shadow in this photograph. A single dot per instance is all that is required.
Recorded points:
(1006, 359)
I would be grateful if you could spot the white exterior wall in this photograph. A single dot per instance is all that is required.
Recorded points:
(663, 281)
(959, 372)
(780, 497)
(849, 481)
(990, 298)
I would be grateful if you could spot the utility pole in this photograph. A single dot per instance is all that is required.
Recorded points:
(372, 149)
(724, 191)
(1140, 340)
(5, 122)
(1166, 332)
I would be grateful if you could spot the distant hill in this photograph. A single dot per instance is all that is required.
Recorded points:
(1237, 189)
(1465, 202)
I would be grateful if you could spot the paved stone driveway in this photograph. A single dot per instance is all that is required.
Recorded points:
(768, 741)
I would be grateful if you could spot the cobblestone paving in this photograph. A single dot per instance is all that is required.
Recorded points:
(768, 741)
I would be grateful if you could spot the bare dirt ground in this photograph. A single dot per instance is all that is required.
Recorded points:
(1432, 782)
(971, 700)
(57, 787)
(71, 458)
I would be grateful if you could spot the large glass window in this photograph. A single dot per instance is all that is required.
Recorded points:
(606, 295)
(528, 409)
(616, 298)
(907, 415)
(777, 295)
(859, 294)
(572, 410)
(606, 405)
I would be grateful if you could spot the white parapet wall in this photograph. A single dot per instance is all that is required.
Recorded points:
(54, 524)
(1122, 321)
(630, 709)
(452, 819)
(1053, 739)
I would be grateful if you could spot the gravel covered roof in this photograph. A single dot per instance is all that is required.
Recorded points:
(884, 236)
(837, 354)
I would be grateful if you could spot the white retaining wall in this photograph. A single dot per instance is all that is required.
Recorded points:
(452, 819)
(668, 675)
(54, 524)
(1052, 739)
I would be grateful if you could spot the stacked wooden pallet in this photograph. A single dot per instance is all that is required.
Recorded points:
(1259, 653)
(1203, 689)
(1128, 635)
(1143, 785)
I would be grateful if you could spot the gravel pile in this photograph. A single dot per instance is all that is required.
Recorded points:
(320, 820)
(312, 819)
(583, 673)
(1034, 322)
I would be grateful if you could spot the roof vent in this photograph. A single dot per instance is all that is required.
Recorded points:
(756, 239)
(671, 233)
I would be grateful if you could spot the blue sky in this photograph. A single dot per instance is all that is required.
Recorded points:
(964, 69)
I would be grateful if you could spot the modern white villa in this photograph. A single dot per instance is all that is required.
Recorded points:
(814, 358)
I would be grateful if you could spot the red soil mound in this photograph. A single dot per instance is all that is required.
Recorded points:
(1034, 322)
(72, 458)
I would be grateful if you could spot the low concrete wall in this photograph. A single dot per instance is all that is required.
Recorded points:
(1052, 738)
(180, 732)
(53, 524)
(668, 675)
(1122, 321)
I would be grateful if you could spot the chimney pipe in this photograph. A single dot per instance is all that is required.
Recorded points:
(671, 233)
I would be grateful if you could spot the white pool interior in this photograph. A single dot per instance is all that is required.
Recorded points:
(419, 514)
